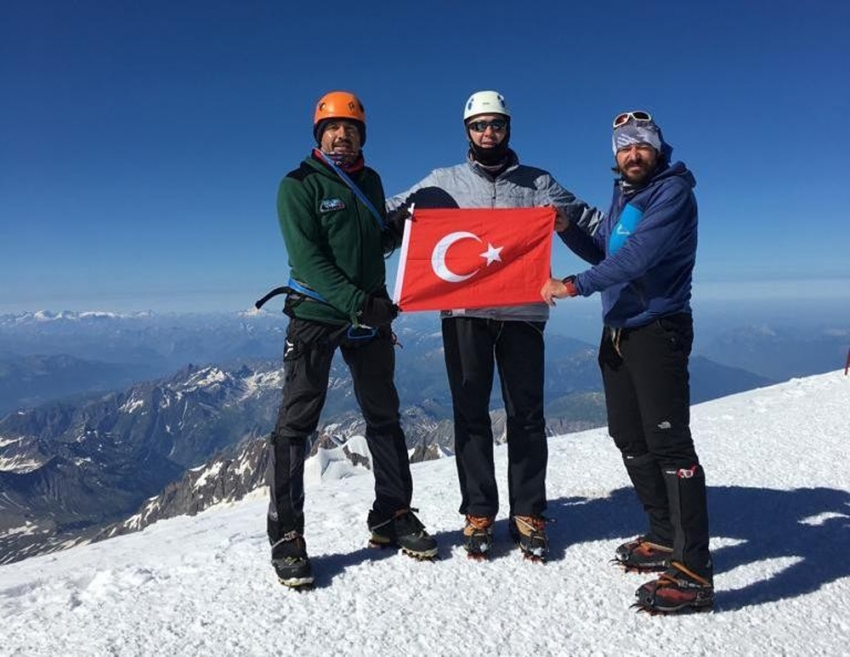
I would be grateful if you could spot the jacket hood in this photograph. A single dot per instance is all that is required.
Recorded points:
(666, 149)
(673, 170)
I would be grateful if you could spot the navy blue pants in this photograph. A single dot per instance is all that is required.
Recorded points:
(473, 346)
(307, 358)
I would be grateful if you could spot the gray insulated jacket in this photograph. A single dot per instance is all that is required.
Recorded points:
(468, 185)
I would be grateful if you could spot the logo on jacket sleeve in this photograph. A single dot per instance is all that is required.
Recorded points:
(331, 205)
(626, 225)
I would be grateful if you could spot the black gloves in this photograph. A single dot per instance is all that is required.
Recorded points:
(397, 218)
(377, 311)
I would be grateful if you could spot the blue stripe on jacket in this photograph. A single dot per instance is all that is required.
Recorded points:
(629, 219)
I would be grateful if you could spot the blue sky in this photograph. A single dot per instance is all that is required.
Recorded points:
(141, 143)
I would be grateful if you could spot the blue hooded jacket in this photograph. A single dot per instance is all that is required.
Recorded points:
(644, 250)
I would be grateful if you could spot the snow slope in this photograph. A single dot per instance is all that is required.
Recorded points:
(779, 495)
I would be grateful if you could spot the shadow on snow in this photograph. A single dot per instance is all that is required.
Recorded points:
(809, 525)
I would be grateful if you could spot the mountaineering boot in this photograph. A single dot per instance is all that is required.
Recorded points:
(642, 555)
(404, 530)
(478, 536)
(677, 590)
(529, 532)
(290, 561)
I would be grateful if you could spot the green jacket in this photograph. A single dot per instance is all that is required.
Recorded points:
(336, 246)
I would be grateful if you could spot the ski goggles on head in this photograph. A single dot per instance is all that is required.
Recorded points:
(480, 126)
(625, 117)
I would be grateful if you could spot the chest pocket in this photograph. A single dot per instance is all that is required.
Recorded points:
(515, 196)
(331, 204)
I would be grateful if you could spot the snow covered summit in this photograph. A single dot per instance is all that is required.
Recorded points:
(779, 496)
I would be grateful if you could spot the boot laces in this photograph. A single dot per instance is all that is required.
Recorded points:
(479, 522)
(531, 524)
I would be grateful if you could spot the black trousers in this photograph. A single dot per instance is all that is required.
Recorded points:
(307, 358)
(472, 346)
(647, 395)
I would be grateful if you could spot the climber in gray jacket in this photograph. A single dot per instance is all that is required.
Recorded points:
(509, 337)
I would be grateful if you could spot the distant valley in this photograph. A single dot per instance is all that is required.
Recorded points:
(133, 434)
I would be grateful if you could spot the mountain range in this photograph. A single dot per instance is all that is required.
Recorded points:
(98, 464)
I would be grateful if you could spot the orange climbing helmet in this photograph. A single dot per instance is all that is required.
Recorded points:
(339, 105)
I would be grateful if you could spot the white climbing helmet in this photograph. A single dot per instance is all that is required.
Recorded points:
(485, 102)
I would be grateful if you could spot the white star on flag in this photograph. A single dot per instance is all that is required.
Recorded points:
(492, 254)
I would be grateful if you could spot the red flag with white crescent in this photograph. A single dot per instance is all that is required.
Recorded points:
(474, 258)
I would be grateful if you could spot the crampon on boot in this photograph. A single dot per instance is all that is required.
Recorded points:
(642, 556)
(403, 530)
(478, 536)
(291, 563)
(529, 532)
(677, 590)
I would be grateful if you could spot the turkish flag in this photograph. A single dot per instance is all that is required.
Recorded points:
(474, 258)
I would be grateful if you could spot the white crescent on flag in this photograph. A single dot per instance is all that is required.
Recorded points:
(438, 257)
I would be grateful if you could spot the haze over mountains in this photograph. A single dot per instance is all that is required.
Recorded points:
(108, 427)
(46, 356)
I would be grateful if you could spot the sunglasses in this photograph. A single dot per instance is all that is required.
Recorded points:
(480, 126)
(637, 115)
